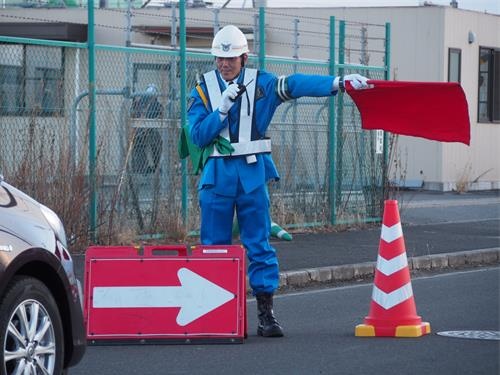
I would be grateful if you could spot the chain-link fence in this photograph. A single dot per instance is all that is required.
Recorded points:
(331, 170)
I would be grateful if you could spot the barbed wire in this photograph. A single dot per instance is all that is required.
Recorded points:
(33, 19)
(353, 34)
(134, 12)
(302, 17)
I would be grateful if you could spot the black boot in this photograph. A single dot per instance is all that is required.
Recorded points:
(268, 325)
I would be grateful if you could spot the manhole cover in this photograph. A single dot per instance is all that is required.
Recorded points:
(479, 335)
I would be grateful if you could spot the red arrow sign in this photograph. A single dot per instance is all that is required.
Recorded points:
(196, 296)
(131, 296)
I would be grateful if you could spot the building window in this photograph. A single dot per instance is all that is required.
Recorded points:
(31, 80)
(489, 85)
(454, 64)
(11, 84)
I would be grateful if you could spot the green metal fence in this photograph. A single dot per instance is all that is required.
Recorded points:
(332, 172)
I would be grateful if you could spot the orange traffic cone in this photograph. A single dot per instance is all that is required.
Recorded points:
(392, 309)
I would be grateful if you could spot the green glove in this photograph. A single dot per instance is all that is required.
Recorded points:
(277, 231)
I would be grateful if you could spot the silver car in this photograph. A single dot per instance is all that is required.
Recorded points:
(41, 318)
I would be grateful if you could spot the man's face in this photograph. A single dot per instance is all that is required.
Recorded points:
(230, 67)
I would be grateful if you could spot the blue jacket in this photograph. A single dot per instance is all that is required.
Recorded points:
(223, 173)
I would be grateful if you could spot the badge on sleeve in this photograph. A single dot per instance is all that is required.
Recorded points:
(259, 93)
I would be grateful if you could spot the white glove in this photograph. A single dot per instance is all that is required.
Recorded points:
(357, 81)
(227, 99)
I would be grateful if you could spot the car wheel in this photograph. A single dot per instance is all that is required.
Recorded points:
(31, 331)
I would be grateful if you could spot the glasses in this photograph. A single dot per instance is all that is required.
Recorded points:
(230, 60)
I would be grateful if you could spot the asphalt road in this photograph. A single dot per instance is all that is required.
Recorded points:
(319, 327)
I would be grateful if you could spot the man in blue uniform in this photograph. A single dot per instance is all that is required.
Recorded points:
(236, 105)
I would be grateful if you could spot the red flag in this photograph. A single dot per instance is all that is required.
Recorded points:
(432, 110)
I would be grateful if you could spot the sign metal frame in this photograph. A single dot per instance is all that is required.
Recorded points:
(163, 294)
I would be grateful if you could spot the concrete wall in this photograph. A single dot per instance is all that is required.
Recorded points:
(478, 164)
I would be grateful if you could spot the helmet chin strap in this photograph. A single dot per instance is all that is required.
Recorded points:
(234, 78)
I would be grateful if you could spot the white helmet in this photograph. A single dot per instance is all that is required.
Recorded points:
(229, 42)
(152, 89)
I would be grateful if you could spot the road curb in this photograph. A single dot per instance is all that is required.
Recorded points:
(349, 272)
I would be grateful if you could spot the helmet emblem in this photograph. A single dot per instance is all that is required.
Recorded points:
(226, 47)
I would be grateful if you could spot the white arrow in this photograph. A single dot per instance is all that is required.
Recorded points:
(389, 300)
(388, 267)
(390, 234)
(196, 296)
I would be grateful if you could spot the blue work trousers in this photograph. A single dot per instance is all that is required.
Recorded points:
(252, 210)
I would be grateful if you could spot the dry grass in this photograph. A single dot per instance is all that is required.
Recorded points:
(45, 171)
(463, 182)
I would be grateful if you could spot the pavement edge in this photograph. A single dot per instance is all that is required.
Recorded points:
(350, 272)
